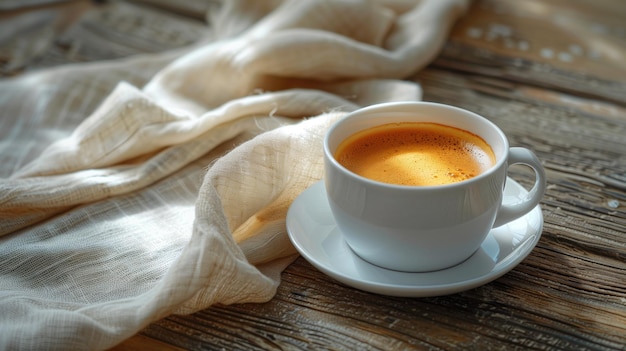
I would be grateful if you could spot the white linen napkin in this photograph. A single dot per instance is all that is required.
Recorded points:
(172, 197)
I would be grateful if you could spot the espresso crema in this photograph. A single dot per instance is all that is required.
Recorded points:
(415, 154)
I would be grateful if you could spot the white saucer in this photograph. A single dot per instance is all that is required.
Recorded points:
(313, 232)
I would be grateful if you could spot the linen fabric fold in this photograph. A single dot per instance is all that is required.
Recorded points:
(159, 184)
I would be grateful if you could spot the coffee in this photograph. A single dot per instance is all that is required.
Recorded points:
(415, 154)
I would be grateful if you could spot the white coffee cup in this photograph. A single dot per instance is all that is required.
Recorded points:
(423, 228)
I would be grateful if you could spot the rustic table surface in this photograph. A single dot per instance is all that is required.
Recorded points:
(551, 74)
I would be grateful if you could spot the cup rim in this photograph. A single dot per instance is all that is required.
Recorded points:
(389, 106)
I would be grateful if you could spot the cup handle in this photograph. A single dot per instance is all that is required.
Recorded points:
(509, 212)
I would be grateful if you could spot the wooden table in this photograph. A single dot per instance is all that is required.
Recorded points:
(551, 74)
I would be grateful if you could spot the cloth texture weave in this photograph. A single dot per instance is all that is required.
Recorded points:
(138, 188)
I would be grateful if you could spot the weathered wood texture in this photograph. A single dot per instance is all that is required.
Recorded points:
(549, 73)
(82, 31)
(563, 99)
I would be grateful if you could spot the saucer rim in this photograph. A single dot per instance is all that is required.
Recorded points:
(501, 267)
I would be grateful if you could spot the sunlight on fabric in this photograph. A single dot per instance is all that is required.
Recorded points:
(153, 223)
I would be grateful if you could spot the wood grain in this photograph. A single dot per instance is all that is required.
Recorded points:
(312, 311)
(549, 73)
(82, 31)
(568, 294)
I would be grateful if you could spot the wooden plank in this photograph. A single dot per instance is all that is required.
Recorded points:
(311, 311)
(567, 294)
(557, 298)
(142, 342)
(560, 94)
(14, 5)
(579, 36)
(121, 29)
(571, 46)
(27, 36)
(82, 31)
(188, 8)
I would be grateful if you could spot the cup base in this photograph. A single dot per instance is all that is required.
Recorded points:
(405, 270)
(314, 234)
